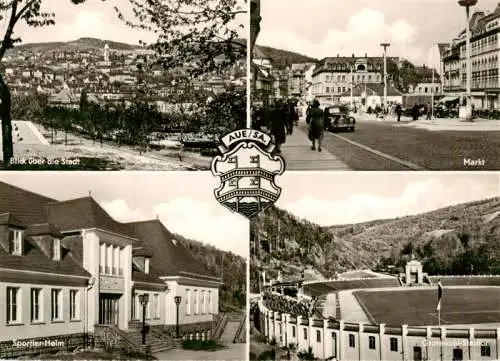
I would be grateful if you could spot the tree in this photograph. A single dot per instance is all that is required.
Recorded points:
(198, 33)
(29, 11)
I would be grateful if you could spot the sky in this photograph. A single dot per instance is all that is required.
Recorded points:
(336, 198)
(93, 18)
(183, 201)
(321, 28)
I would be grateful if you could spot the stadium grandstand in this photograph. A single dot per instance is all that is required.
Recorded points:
(365, 315)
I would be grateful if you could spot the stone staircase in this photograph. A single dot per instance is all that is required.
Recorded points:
(155, 339)
(232, 328)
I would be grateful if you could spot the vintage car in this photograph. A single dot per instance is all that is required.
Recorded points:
(338, 117)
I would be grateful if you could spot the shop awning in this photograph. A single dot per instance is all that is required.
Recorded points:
(448, 99)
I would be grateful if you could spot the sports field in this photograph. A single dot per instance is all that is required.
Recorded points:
(418, 307)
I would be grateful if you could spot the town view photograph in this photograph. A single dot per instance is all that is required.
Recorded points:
(378, 85)
(366, 271)
(111, 268)
(112, 85)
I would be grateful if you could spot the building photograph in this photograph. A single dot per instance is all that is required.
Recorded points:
(390, 76)
(363, 271)
(119, 262)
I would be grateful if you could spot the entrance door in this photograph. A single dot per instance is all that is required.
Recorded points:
(108, 309)
(414, 277)
(417, 353)
(458, 354)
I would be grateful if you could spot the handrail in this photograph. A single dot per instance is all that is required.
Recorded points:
(237, 336)
(129, 342)
(220, 326)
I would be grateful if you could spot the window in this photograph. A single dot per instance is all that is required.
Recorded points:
(56, 249)
(371, 342)
(352, 341)
(148, 308)
(305, 333)
(16, 242)
(13, 312)
(195, 302)
(394, 344)
(134, 302)
(209, 301)
(55, 302)
(203, 306)
(318, 336)
(35, 304)
(188, 304)
(340, 89)
(293, 331)
(485, 350)
(156, 299)
(74, 305)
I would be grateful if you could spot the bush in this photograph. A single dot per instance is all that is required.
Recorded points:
(267, 355)
(201, 345)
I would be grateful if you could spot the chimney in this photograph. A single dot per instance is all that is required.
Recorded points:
(337, 55)
(353, 55)
(366, 55)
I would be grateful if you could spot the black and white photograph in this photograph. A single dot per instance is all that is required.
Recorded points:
(120, 85)
(378, 266)
(378, 85)
(120, 266)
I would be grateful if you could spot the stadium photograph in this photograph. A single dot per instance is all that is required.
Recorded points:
(363, 272)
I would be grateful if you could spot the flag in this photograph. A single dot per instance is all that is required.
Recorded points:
(232, 159)
(440, 294)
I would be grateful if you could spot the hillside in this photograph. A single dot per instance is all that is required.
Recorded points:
(447, 241)
(79, 44)
(231, 267)
(281, 58)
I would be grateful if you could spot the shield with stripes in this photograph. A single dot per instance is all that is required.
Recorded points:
(247, 178)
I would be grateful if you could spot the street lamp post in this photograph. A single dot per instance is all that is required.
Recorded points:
(143, 299)
(385, 46)
(178, 300)
(467, 4)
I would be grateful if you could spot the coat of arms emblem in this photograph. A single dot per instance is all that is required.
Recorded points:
(247, 171)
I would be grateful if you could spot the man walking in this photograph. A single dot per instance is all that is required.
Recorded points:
(398, 111)
(316, 122)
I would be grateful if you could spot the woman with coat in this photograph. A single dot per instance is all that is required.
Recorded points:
(316, 121)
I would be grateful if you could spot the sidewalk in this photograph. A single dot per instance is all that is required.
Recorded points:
(298, 154)
(442, 124)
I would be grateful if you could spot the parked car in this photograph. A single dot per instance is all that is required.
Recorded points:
(338, 117)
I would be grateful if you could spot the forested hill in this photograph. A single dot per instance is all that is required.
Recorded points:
(232, 268)
(460, 239)
(281, 58)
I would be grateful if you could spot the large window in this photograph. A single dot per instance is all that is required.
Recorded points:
(203, 304)
(56, 304)
(318, 336)
(134, 302)
(293, 331)
(485, 350)
(156, 303)
(394, 344)
(371, 342)
(56, 249)
(352, 341)
(74, 305)
(195, 302)
(35, 306)
(305, 334)
(188, 302)
(13, 303)
(16, 242)
(209, 301)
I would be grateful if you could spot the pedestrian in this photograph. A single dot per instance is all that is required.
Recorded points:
(415, 112)
(316, 122)
(288, 109)
(277, 126)
(398, 111)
